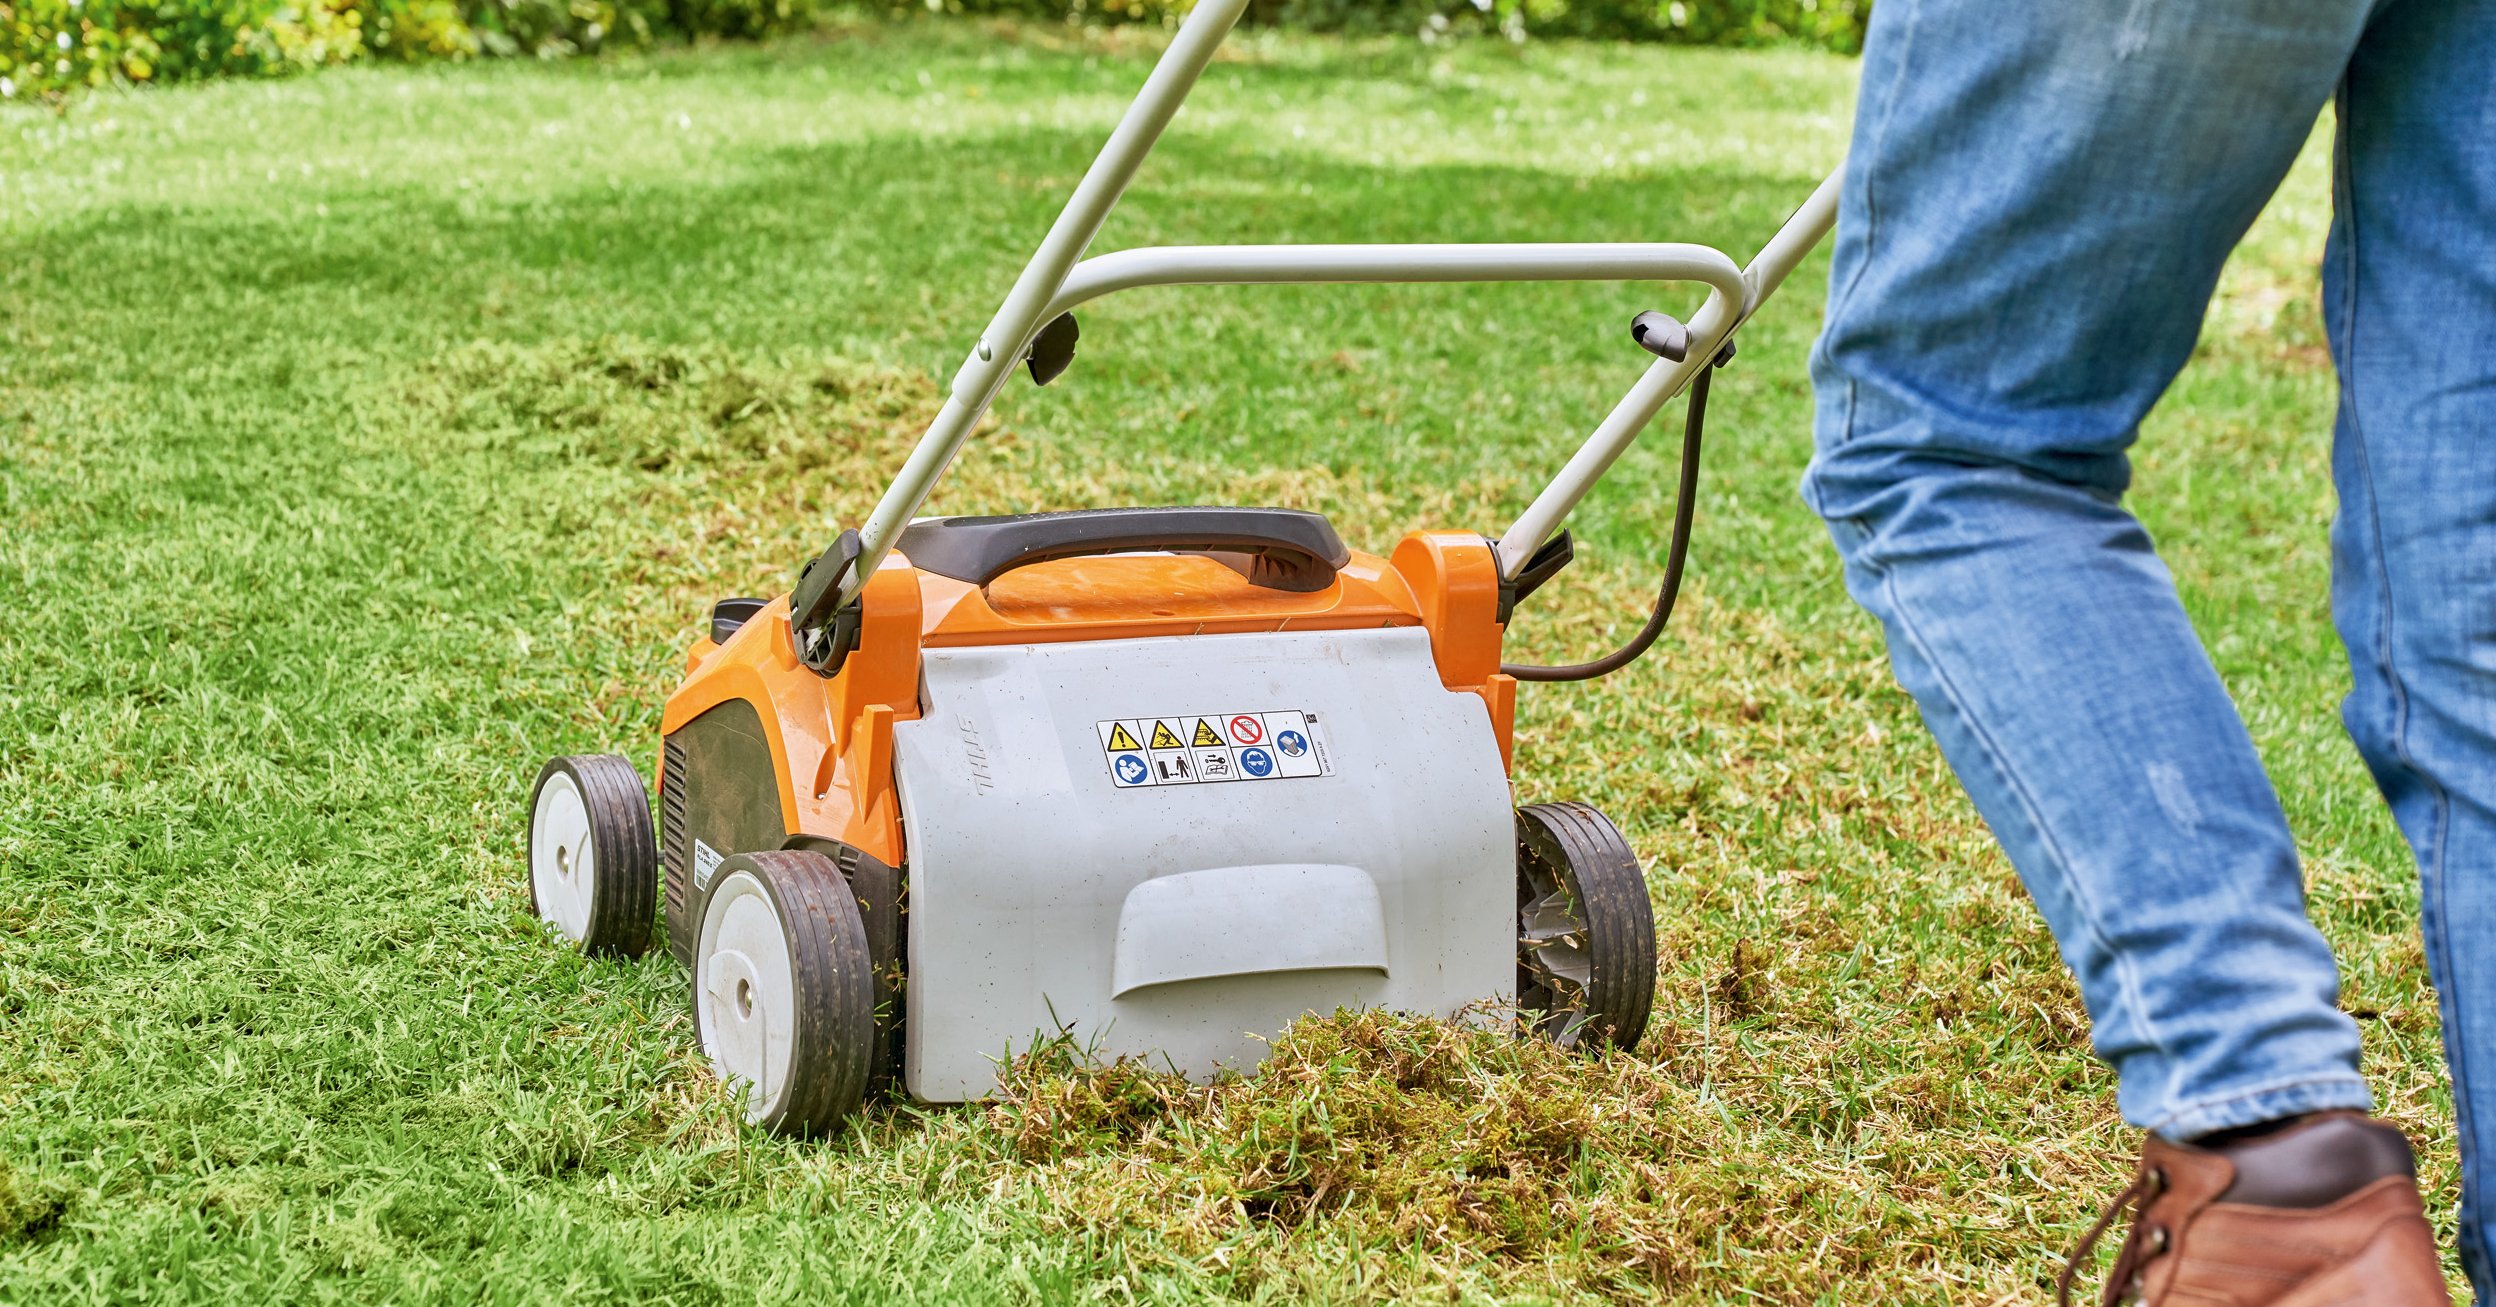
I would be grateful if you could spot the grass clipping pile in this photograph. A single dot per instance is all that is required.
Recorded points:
(1395, 1130)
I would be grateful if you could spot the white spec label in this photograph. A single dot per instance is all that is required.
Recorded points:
(1208, 749)
(705, 862)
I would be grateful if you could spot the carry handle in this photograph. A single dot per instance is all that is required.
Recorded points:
(1277, 548)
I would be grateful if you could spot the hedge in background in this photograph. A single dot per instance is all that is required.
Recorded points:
(47, 46)
(50, 45)
(1827, 24)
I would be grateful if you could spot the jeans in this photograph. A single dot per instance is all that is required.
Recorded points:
(2037, 206)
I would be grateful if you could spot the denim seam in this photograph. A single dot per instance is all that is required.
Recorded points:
(2431, 854)
(1861, 179)
(2212, 1105)
(2124, 974)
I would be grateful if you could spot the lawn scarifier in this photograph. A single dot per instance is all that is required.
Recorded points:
(1168, 777)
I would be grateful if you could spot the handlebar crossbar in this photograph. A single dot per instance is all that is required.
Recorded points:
(1250, 265)
(1058, 278)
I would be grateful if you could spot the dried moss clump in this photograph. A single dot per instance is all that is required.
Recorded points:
(29, 1208)
(1399, 1130)
(666, 408)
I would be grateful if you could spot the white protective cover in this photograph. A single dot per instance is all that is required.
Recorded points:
(1191, 921)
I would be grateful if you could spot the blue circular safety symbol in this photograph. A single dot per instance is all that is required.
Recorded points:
(1256, 762)
(1292, 743)
(1130, 768)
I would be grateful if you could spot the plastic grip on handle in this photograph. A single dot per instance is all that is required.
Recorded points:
(1279, 548)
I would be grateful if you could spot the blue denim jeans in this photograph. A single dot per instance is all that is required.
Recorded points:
(2037, 207)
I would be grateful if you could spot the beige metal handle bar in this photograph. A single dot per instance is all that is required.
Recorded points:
(1250, 265)
(1055, 281)
(1715, 324)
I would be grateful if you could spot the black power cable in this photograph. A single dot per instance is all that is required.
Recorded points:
(1685, 505)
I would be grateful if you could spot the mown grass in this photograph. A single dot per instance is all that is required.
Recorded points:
(365, 439)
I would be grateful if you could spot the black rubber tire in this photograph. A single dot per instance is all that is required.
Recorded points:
(833, 1046)
(624, 900)
(882, 895)
(1576, 849)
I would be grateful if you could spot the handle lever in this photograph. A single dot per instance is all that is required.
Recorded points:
(1052, 349)
(1661, 334)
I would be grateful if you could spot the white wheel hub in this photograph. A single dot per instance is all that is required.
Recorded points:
(747, 986)
(563, 863)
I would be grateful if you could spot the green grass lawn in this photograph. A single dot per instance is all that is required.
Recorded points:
(366, 438)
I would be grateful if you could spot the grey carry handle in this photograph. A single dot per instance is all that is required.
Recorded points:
(1278, 548)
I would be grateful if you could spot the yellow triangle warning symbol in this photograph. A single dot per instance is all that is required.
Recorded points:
(1205, 734)
(1164, 737)
(1120, 739)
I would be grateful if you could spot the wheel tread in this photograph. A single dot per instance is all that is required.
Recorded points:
(1611, 888)
(833, 1044)
(624, 899)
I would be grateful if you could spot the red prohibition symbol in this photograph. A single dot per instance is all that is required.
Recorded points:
(1246, 729)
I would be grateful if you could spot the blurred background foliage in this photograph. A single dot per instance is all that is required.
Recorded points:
(1826, 24)
(51, 46)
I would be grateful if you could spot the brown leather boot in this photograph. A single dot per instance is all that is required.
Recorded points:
(2320, 1213)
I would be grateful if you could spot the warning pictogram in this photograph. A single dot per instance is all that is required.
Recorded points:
(1152, 752)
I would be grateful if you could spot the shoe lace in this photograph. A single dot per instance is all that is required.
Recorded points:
(2122, 1281)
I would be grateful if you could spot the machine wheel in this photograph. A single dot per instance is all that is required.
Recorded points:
(784, 990)
(1586, 935)
(593, 860)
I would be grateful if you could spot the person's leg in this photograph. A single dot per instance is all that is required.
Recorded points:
(2410, 298)
(2036, 210)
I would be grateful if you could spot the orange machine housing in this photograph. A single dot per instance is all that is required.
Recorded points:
(831, 739)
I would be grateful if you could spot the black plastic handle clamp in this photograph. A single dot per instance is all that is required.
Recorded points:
(825, 635)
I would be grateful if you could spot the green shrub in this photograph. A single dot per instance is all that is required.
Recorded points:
(51, 45)
(1827, 24)
(55, 43)
(47, 46)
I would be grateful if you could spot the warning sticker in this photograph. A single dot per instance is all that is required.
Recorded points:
(1209, 748)
(1174, 769)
